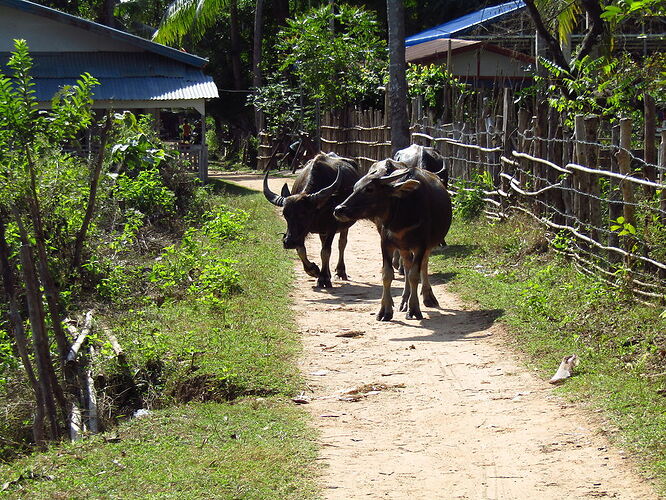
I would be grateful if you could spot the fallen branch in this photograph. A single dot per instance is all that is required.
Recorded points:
(80, 339)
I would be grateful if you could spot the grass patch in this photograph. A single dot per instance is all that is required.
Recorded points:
(215, 366)
(553, 310)
(253, 449)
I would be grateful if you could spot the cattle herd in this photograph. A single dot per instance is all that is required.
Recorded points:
(407, 199)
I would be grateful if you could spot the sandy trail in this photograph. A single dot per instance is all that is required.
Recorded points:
(454, 413)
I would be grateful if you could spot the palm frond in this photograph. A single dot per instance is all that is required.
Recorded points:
(188, 17)
(567, 19)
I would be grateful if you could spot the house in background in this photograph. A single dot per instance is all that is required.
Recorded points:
(489, 47)
(479, 64)
(134, 73)
(507, 30)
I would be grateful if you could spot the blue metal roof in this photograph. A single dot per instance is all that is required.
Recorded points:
(459, 26)
(41, 10)
(123, 76)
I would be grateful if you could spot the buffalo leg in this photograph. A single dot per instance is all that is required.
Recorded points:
(413, 275)
(386, 311)
(407, 263)
(340, 270)
(324, 280)
(309, 267)
(429, 299)
(397, 263)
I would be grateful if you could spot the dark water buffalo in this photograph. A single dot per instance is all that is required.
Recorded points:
(324, 182)
(412, 211)
(426, 158)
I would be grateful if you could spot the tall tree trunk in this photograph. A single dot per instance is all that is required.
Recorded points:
(397, 75)
(92, 196)
(280, 12)
(235, 45)
(18, 333)
(106, 16)
(47, 380)
(256, 56)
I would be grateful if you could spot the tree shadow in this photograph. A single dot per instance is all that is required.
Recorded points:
(455, 250)
(446, 325)
(443, 278)
(221, 186)
(349, 292)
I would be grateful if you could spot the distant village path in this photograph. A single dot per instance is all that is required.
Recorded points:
(439, 408)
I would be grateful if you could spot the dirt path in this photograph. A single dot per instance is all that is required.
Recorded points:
(453, 413)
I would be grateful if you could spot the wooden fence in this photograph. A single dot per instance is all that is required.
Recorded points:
(598, 189)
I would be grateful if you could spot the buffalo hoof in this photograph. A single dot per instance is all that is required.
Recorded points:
(403, 305)
(312, 270)
(383, 315)
(342, 275)
(430, 301)
(324, 283)
(414, 315)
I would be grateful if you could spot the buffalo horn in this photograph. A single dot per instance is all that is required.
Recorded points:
(394, 175)
(275, 199)
(440, 171)
(324, 194)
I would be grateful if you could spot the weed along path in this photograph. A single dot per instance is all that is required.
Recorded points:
(438, 408)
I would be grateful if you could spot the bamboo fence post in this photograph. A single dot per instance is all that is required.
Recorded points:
(540, 131)
(624, 163)
(592, 156)
(568, 196)
(580, 179)
(523, 144)
(615, 197)
(649, 147)
(554, 154)
(508, 122)
(662, 167)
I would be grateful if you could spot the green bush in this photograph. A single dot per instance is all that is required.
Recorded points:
(145, 193)
(468, 196)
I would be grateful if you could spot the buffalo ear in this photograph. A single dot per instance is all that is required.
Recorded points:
(393, 165)
(404, 188)
(285, 191)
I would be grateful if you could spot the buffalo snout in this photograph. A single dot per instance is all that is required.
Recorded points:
(341, 213)
(290, 243)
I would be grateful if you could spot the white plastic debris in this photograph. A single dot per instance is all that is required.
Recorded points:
(566, 369)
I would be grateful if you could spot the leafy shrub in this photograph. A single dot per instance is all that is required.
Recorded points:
(468, 201)
(225, 223)
(145, 193)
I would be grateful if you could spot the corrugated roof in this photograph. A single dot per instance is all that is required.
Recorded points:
(435, 49)
(41, 10)
(132, 76)
(458, 26)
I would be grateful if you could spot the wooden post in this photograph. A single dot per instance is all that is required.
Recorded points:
(615, 197)
(568, 196)
(580, 179)
(650, 149)
(523, 143)
(592, 156)
(554, 155)
(538, 169)
(624, 164)
(662, 167)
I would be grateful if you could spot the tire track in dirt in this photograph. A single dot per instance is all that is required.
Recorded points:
(453, 415)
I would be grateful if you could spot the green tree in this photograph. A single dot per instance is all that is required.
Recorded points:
(334, 53)
(33, 172)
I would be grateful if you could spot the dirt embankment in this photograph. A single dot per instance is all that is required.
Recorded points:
(438, 408)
